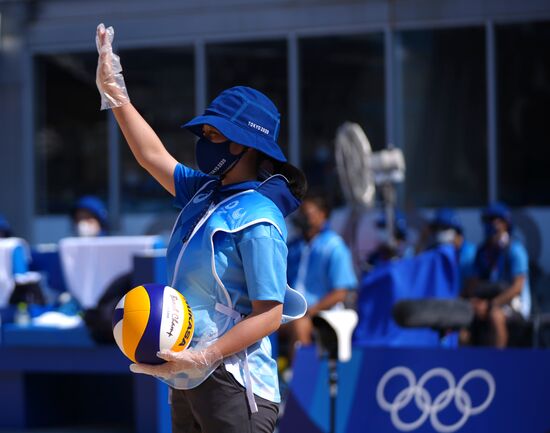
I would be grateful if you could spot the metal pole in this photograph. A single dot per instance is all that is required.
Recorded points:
(389, 86)
(492, 133)
(28, 163)
(200, 77)
(293, 71)
(388, 193)
(333, 391)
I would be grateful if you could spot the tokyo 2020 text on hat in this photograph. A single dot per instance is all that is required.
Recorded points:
(245, 116)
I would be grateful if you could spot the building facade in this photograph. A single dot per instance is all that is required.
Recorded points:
(461, 86)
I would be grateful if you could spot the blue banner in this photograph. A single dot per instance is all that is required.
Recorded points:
(433, 274)
(424, 390)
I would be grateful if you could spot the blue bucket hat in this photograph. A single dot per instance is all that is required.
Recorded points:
(400, 222)
(498, 210)
(446, 217)
(245, 116)
(95, 206)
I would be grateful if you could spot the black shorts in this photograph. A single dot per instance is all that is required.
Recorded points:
(219, 405)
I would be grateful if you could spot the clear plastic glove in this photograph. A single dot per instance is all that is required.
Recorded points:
(109, 79)
(194, 362)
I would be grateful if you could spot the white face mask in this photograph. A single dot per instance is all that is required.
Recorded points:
(88, 228)
(445, 236)
(503, 240)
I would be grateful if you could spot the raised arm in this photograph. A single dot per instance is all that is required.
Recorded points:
(144, 143)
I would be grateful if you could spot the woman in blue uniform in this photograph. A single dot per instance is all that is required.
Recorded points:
(227, 253)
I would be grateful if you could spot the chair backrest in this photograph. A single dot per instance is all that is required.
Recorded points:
(91, 264)
(438, 314)
(540, 290)
(9, 248)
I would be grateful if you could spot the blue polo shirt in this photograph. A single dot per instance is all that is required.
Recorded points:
(259, 249)
(466, 260)
(20, 261)
(320, 266)
(504, 265)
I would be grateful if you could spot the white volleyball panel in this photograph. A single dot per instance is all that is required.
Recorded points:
(173, 315)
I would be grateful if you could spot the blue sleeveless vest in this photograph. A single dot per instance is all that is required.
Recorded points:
(193, 265)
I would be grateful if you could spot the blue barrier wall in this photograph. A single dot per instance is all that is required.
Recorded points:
(383, 390)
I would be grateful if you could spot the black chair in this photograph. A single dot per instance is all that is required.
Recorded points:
(441, 315)
(540, 316)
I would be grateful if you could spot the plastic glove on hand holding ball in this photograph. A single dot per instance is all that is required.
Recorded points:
(191, 361)
(153, 324)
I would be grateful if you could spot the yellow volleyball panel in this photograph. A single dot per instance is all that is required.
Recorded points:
(136, 316)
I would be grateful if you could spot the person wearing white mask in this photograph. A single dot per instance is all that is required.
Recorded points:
(446, 229)
(89, 216)
(499, 291)
(390, 248)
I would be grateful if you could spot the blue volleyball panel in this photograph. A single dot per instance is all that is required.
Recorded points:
(146, 351)
(118, 314)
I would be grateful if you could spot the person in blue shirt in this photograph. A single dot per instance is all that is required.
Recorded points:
(227, 253)
(446, 228)
(499, 290)
(319, 266)
(389, 247)
(19, 259)
(16, 283)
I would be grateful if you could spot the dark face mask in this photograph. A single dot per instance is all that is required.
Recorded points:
(302, 223)
(489, 229)
(215, 158)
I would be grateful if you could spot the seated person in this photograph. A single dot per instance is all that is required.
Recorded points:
(446, 228)
(99, 294)
(319, 266)
(499, 290)
(19, 254)
(14, 265)
(390, 247)
(89, 217)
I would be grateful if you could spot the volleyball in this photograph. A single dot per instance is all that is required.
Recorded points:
(150, 318)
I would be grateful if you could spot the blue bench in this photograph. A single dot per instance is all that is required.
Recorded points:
(34, 362)
(38, 364)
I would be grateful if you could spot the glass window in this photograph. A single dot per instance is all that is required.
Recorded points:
(341, 79)
(523, 70)
(261, 65)
(441, 104)
(162, 87)
(71, 145)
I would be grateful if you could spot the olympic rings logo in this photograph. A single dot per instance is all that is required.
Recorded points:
(431, 408)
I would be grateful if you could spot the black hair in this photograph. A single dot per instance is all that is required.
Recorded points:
(320, 200)
(297, 182)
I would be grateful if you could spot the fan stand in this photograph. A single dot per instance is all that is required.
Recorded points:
(333, 390)
(389, 199)
(327, 342)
